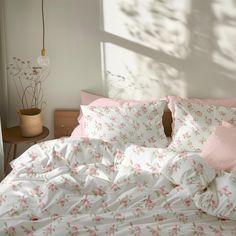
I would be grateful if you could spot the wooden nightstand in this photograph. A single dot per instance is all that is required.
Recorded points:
(64, 122)
(13, 137)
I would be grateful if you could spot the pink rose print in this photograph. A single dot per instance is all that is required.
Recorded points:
(33, 156)
(77, 188)
(73, 230)
(48, 231)
(137, 168)
(55, 216)
(119, 217)
(92, 170)
(225, 191)
(159, 218)
(36, 191)
(187, 201)
(56, 154)
(74, 211)
(10, 231)
(86, 203)
(61, 201)
(23, 202)
(125, 201)
(99, 192)
(138, 212)
(52, 187)
(182, 217)
(198, 230)
(28, 232)
(111, 230)
(174, 230)
(149, 203)
(167, 206)
(98, 219)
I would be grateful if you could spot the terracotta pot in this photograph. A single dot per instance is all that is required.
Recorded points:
(31, 122)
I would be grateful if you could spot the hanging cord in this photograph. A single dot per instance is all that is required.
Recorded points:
(43, 26)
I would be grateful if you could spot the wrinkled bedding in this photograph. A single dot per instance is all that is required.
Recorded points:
(90, 187)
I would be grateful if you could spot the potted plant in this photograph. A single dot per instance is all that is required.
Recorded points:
(28, 83)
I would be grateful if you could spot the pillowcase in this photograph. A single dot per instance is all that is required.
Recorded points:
(227, 102)
(194, 123)
(220, 149)
(139, 124)
(95, 100)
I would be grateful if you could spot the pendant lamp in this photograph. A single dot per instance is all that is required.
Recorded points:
(43, 59)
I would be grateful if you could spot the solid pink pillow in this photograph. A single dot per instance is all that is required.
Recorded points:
(227, 102)
(220, 149)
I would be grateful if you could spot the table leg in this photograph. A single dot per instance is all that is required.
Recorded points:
(6, 160)
(14, 152)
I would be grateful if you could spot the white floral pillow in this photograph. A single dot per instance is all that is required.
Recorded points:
(139, 124)
(194, 123)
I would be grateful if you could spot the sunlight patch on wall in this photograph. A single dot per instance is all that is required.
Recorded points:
(225, 32)
(129, 75)
(158, 24)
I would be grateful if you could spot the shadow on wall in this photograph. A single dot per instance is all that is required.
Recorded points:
(154, 48)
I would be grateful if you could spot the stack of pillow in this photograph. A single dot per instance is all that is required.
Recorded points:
(199, 125)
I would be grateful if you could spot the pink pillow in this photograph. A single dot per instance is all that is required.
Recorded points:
(227, 102)
(220, 149)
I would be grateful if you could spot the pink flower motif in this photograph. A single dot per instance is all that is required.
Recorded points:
(92, 170)
(159, 218)
(33, 156)
(225, 191)
(98, 191)
(187, 201)
(11, 231)
(137, 168)
(167, 206)
(86, 203)
(119, 217)
(29, 170)
(23, 201)
(125, 201)
(111, 230)
(98, 219)
(149, 203)
(42, 205)
(61, 201)
(56, 154)
(74, 211)
(55, 216)
(98, 156)
(74, 231)
(13, 211)
(36, 190)
(77, 188)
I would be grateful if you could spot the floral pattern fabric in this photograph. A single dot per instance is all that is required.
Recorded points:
(90, 187)
(194, 123)
(127, 124)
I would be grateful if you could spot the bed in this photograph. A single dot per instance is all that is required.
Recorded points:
(92, 186)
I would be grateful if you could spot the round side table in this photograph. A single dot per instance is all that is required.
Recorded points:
(13, 137)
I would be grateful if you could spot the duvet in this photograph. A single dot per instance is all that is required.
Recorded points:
(89, 187)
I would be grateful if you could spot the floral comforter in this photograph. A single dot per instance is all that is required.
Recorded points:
(89, 187)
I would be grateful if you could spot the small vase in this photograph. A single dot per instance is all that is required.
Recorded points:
(31, 122)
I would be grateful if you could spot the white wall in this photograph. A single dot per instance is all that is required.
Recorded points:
(73, 40)
(71, 43)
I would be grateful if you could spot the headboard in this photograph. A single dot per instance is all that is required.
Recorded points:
(167, 122)
(65, 120)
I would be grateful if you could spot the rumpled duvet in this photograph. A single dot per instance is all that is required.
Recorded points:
(90, 187)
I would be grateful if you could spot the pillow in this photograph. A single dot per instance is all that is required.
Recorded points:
(139, 124)
(95, 100)
(194, 123)
(227, 102)
(220, 149)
